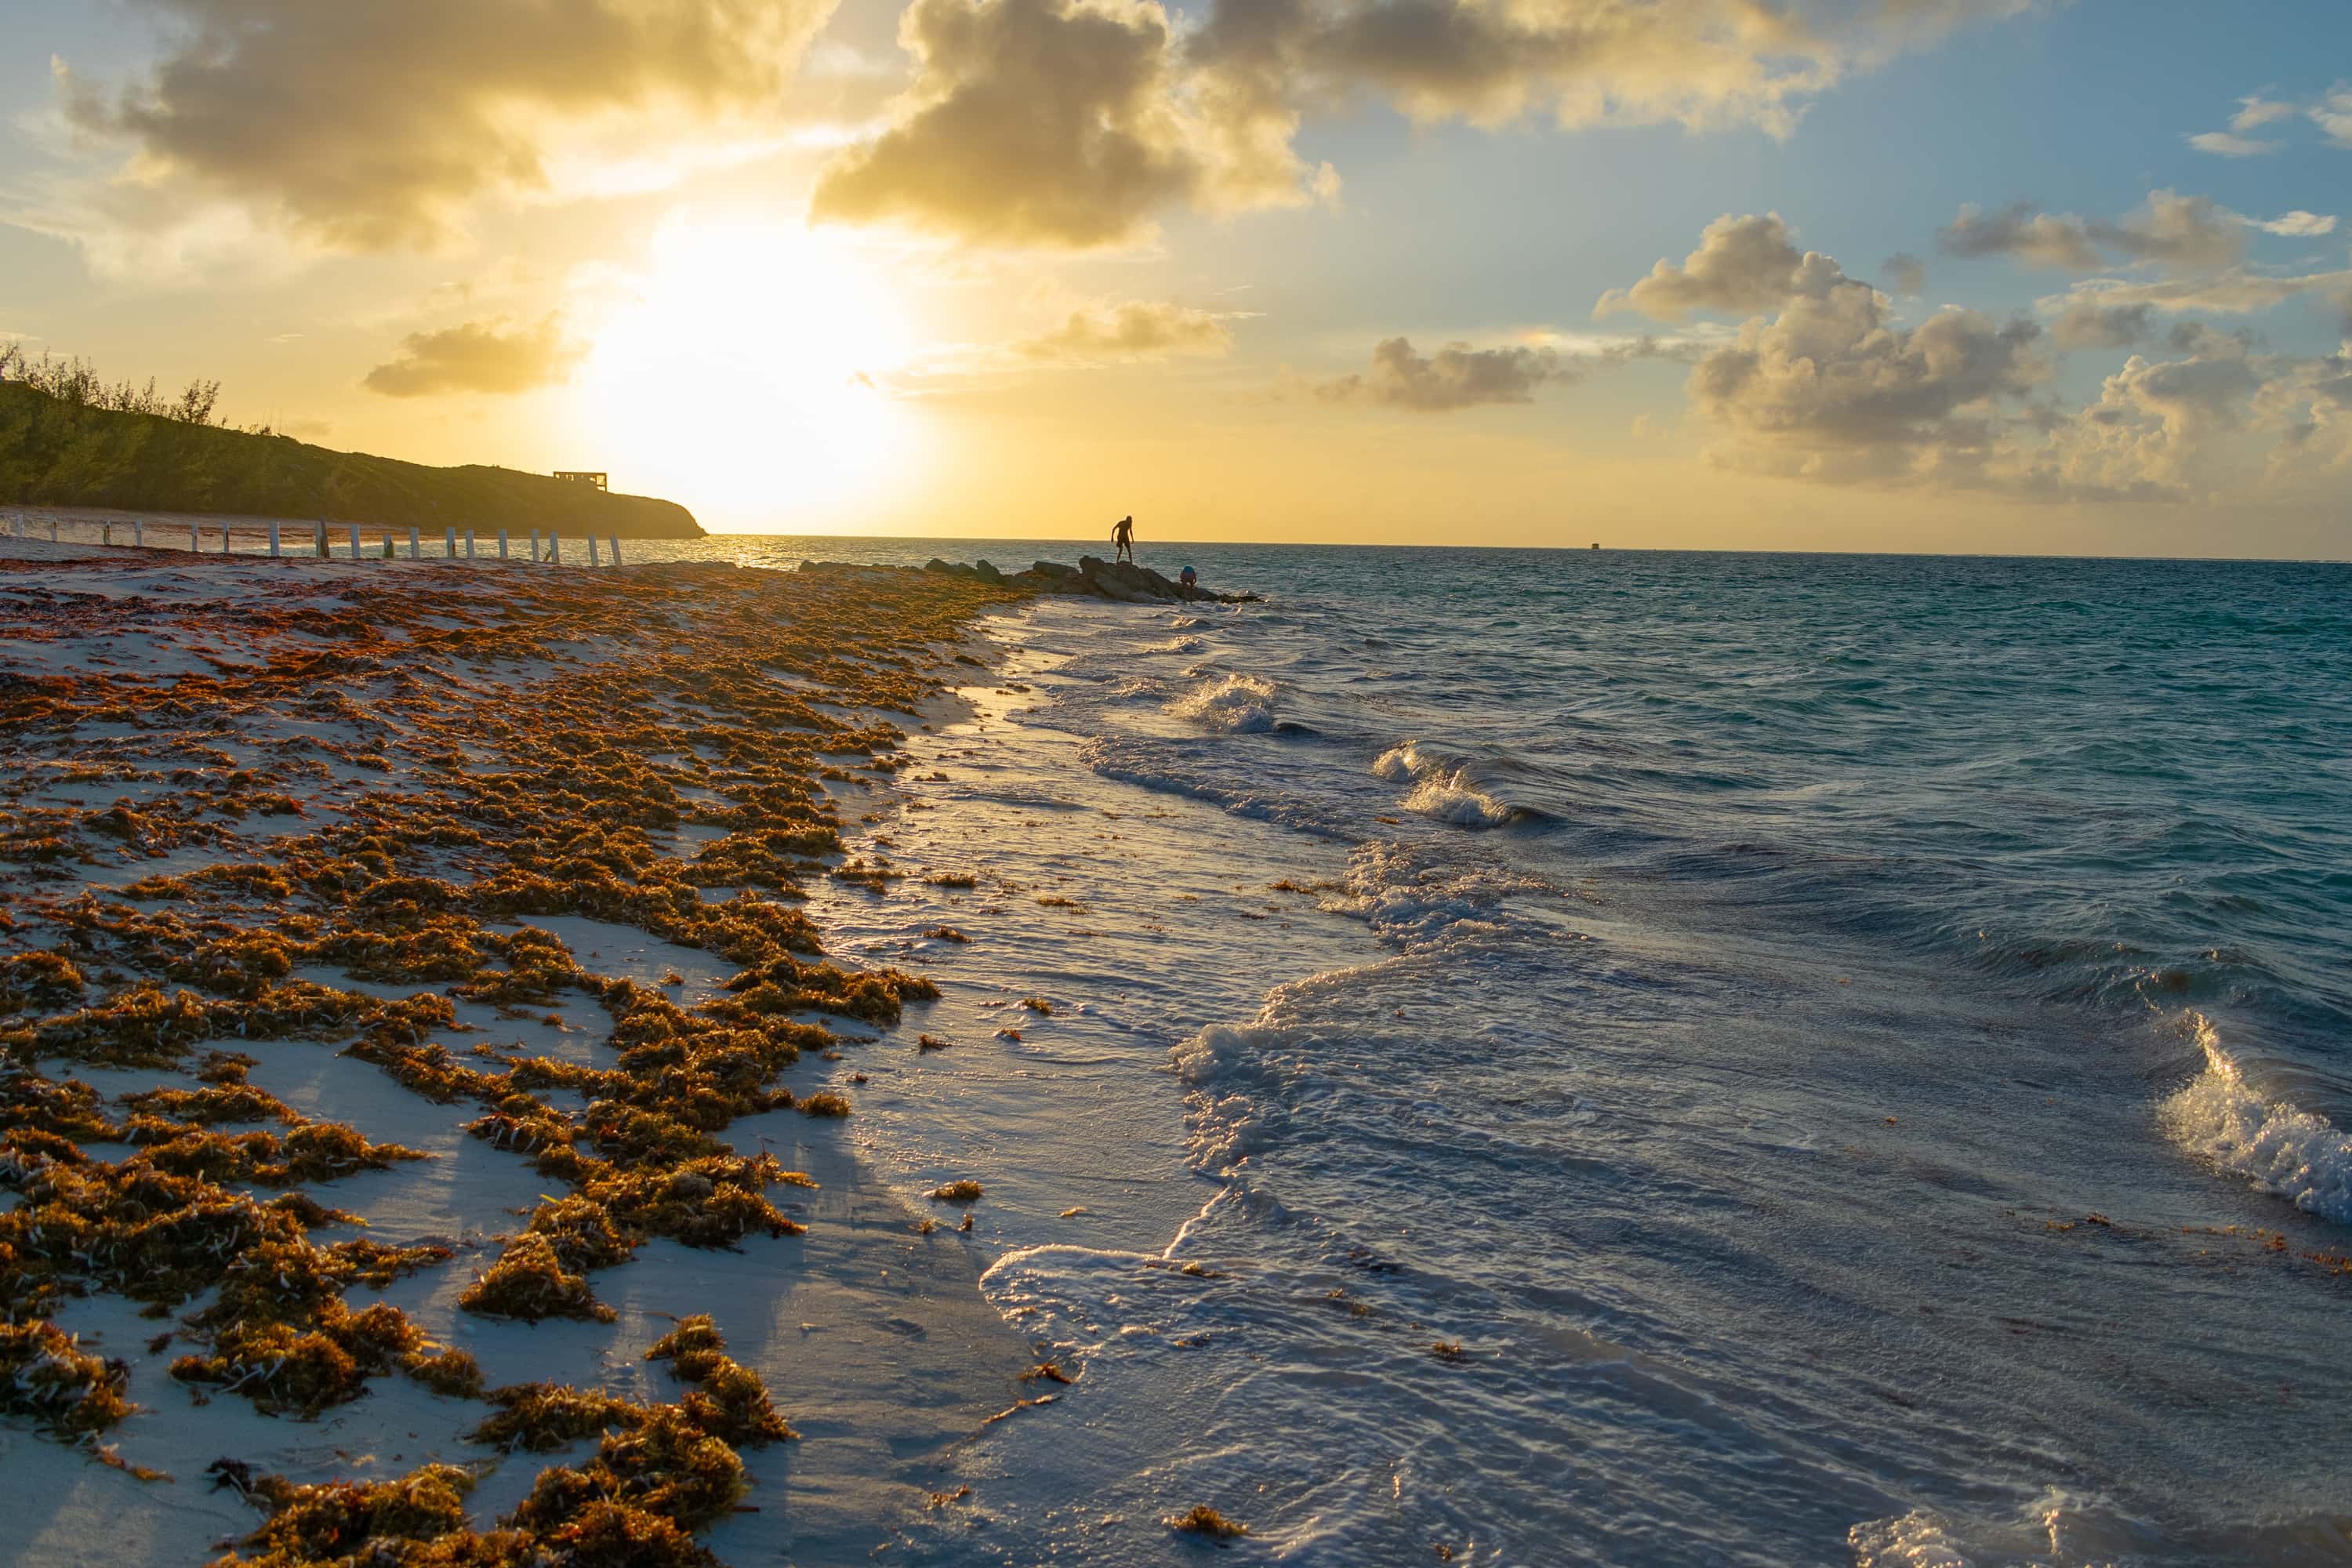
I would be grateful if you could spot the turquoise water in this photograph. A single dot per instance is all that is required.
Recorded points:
(1833, 1038)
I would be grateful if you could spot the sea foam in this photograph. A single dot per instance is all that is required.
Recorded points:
(1239, 704)
(1443, 789)
(2284, 1150)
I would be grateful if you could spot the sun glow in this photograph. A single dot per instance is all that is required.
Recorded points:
(740, 374)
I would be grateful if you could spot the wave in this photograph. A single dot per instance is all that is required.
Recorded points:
(1150, 765)
(1443, 789)
(2283, 1149)
(1239, 704)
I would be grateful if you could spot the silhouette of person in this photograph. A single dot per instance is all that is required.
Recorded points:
(1122, 533)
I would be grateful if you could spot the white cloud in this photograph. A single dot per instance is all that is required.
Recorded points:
(2222, 143)
(2333, 114)
(2255, 110)
(2299, 225)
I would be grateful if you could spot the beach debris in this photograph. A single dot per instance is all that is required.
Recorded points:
(1449, 1351)
(1047, 1370)
(964, 1190)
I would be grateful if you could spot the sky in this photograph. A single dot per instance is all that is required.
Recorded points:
(1999, 276)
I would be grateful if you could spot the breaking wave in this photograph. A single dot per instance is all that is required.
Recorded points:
(2281, 1148)
(1238, 704)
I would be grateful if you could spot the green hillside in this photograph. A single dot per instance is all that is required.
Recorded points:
(56, 452)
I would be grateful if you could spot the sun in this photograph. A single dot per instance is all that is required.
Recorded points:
(740, 374)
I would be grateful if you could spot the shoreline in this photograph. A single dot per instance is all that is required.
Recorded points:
(867, 1326)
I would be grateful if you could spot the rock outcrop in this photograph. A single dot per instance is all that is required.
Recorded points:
(1092, 578)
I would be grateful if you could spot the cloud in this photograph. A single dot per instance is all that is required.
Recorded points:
(2223, 144)
(2187, 231)
(1907, 272)
(1456, 376)
(369, 126)
(1741, 264)
(1133, 330)
(1696, 63)
(2255, 110)
(2035, 237)
(2168, 228)
(2232, 292)
(1460, 376)
(490, 357)
(2085, 323)
(1833, 389)
(1032, 122)
(2298, 224)
(2333, 114)
(1070, 124)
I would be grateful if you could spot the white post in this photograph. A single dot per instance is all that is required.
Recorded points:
(356, 541)
(318, 538)
(502, 545)
(594, 558)
(226, 548)
(192, 545)
(53, 530)
(534, 545)
(554, 548)
(617, 548)
(469, 544)
(273, 542)
(449, 543)
(411, 545)
(139, 533)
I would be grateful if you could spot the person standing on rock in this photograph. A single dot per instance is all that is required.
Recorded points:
(1122, 533)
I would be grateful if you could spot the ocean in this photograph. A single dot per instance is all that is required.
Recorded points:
(1617, 1057)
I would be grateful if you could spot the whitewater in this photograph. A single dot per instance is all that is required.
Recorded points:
(1649, 1058)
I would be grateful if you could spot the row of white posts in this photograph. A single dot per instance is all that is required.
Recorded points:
(554, 552)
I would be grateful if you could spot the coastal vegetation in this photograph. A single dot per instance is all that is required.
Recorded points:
(68, 438)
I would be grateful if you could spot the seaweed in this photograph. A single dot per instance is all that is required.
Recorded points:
(543, 1416)
(1206, 1522)
(45, 1374)
(449, 1372)
(529, 1282)
(965, 1190)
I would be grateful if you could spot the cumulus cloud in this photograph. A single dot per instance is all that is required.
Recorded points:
(371, 125)
(2168, 228)
(1692, 62)
(493, 357)
(1131, 330)
(1069, 123)
(1833, 389)
(1741, 264)
(1907, 272)
(1460, 376)
(1032, 122)
(2021, 230)
(2086, 324)
(1456, 376)
(2187, 231)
